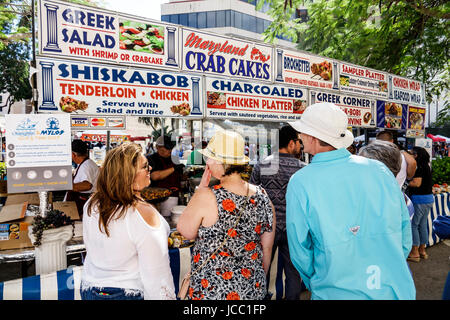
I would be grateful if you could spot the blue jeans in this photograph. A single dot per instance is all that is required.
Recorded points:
(419, 223)
(108, 293)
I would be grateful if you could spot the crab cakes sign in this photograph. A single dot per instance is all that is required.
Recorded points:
(224, 56)
(87, 33)
(83, 88)
(360, 110)
(293, 67)
(227, 99)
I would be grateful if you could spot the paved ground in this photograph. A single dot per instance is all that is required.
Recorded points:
(429, 275)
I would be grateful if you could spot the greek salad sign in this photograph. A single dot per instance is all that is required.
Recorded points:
(252, 101)
(87, 33)
(86, 88)
(360, 80)
(403, 90)
(306, 70)
(360, 111)
(224, 56)
(38, 152)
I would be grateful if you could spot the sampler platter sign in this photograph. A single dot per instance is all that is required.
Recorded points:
(359, 110)
(224, 56)
(297, 68)
(362, 81)
(229, 99)
(87, 33)
(82, 88)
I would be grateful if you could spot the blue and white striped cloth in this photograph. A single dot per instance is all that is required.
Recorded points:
(65, 284)
(441, 207)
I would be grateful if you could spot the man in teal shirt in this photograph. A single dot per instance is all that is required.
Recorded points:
(348, 226)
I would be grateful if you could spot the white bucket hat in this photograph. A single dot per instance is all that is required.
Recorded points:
(326, 122)
(226, 146)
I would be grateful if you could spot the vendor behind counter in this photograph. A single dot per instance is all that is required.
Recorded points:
(165, 173)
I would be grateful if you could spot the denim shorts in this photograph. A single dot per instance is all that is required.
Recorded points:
(109, 293)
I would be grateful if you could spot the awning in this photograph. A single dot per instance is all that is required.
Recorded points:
(435, 138)
(447, 140)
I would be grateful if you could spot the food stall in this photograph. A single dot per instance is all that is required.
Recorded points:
(104, 71)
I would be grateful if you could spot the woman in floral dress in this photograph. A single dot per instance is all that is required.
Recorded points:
(236, 211)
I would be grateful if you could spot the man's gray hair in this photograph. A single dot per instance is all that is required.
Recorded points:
(384, 151)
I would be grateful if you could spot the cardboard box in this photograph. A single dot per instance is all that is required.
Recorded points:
(13, 222)
(68, 207)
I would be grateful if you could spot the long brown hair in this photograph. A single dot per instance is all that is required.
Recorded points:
(114, 193)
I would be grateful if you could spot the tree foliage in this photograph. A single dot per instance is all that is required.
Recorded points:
(408, 38)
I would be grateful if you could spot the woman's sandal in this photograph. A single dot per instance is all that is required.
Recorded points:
(414, 259)
(424, 256)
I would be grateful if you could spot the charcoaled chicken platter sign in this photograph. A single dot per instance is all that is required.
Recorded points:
(82, 88)
(224, 56)
(87, 33)
(229, 99)
(297, 68)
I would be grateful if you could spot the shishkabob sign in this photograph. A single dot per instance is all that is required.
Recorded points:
(87, 33)
(87, 88)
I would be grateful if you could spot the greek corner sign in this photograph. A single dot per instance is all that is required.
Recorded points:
(224, 56)
(403, 90)
(83, 88)
(361, 80)
(306, 70)
(87, 33)
(38, 152)
(360, 111)
(252, 101)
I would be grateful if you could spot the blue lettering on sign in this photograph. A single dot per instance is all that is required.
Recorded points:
(328, 97)
(297, 64)
(216, 64)
(248, 88)
(99, 40)
(401, 95)
(75, 71)
(357, 102)
(90, 19)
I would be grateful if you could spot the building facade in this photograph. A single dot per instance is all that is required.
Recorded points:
(236, 18)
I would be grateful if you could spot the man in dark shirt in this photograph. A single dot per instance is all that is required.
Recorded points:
(164, 173)
(273, 174)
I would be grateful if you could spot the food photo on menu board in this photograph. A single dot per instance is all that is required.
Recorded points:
(141, 37)
(416, 118)
(391, 115)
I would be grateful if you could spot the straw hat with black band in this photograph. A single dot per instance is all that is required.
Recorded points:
(227, 147)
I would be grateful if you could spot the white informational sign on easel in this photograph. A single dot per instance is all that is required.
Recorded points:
(38, 152)
(427, 144)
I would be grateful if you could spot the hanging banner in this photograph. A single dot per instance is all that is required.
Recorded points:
(391, 115)
(225, 56)
(416, 122)
(360, 80)
(92, 89)
(306, 70)
(360, 111)
(403, 90)
(227, 99)
(87, 33)
(38, 152)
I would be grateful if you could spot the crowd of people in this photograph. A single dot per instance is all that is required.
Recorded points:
(345, 224)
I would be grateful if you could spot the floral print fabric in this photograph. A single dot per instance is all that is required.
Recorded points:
(236, 271)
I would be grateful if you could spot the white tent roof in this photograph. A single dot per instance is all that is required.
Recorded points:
(447, 140)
